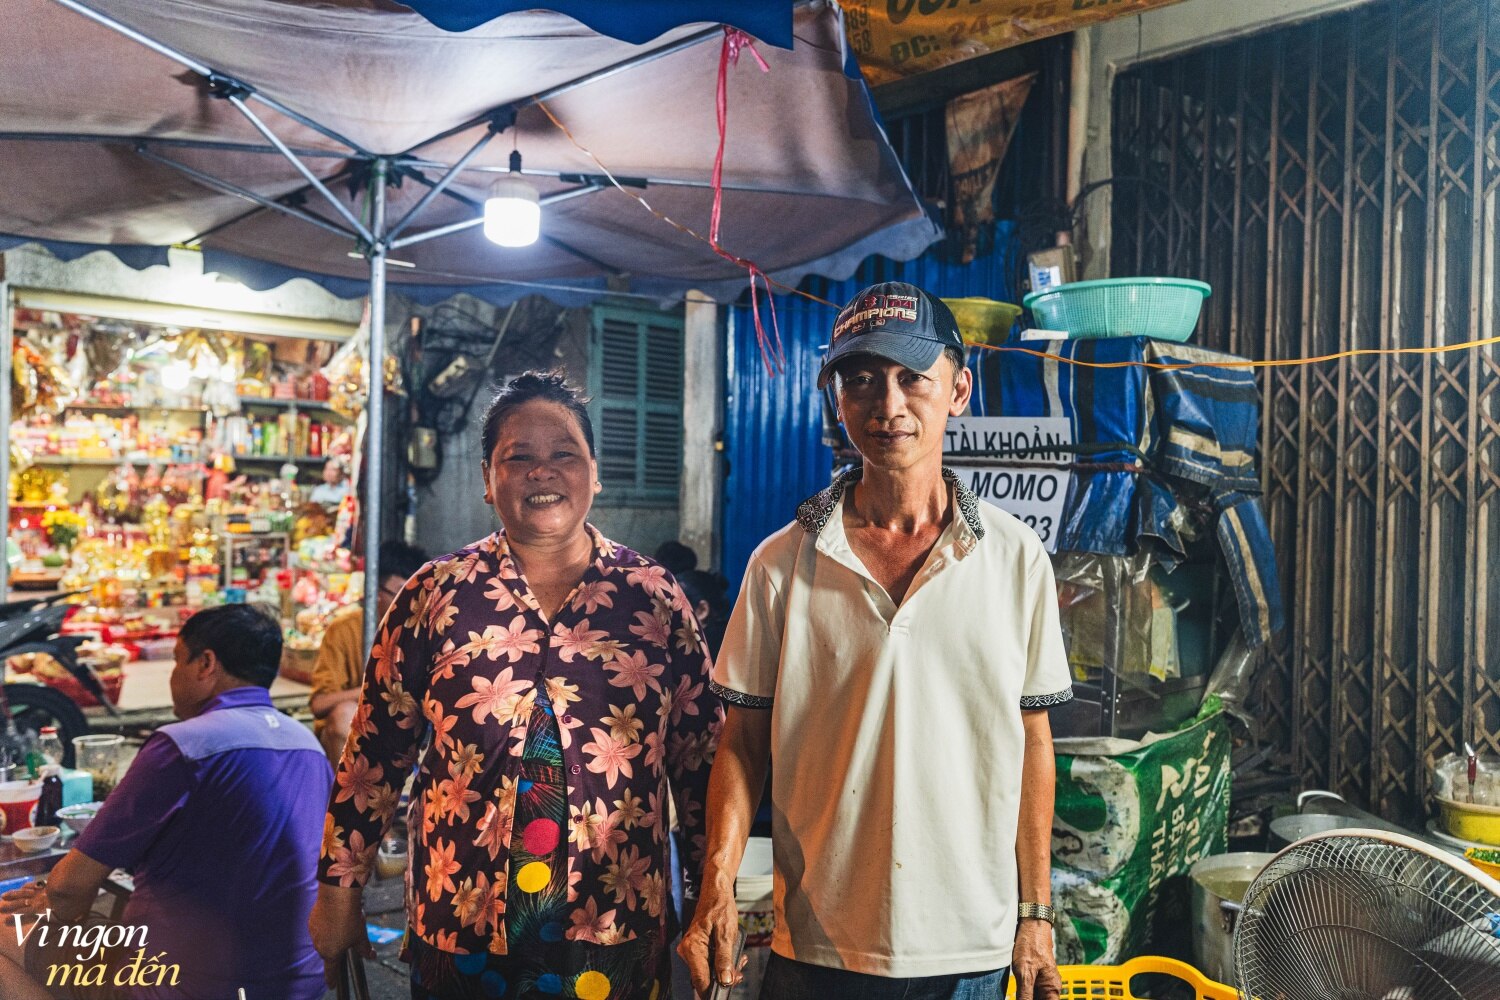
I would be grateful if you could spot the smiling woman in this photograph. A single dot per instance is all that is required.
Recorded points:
(540, 476)
(564, 681)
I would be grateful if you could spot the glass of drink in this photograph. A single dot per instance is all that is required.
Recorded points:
(391, 858)
(99, 754)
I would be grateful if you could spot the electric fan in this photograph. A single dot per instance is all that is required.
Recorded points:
(1368, 915)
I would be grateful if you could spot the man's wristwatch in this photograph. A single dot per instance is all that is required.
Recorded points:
(1034, 911)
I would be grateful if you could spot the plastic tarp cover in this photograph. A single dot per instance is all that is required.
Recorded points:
(1108, 411)
(1152, 444)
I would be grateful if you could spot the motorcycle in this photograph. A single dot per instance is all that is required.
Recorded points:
(34, 626)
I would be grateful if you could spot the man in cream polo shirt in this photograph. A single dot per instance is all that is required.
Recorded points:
(894, 649)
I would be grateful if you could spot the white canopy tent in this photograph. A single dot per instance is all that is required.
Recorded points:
(328, 140)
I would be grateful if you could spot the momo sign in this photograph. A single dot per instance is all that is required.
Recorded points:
(1021, 473)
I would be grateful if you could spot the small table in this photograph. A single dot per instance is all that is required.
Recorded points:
(16, 863)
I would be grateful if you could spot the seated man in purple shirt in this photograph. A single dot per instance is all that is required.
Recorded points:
(218, 819)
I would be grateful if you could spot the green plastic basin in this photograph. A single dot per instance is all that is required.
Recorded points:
(1164, 308)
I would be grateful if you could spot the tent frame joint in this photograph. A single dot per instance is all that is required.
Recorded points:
(226, 87)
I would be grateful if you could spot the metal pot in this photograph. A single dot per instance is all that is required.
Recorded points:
(1219, 884)
(1287, 830)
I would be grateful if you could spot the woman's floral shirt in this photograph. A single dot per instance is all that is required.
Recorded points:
(460, 658)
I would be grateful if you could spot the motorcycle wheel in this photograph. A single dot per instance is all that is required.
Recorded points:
(36, 705)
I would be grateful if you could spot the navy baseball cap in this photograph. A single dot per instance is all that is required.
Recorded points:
(895, 321)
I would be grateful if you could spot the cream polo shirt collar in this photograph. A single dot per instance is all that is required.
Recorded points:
(821, 515)
(815, 512)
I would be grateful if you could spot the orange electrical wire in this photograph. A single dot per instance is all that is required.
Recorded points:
(1247, 363)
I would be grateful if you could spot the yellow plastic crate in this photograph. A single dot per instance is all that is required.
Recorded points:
(1112, 982)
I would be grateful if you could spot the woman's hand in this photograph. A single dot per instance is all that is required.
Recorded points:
(337, 924)
(1033, 965)
(30, 898)
(711, 938)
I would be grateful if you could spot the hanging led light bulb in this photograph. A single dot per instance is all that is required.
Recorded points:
(512, 213)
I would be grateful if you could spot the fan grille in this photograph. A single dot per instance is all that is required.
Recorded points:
(1345, 917)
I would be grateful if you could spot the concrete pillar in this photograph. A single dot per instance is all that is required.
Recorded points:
(700, 496)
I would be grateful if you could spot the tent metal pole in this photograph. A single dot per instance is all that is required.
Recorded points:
(140, 140)
(458, 227)
(5, 364)
(441, 183)
(209, 180)
(626, 181)
(131, 33)
(375, 405)
(696, 38)
(205, 71)
(687, 42)
(684, 43)
(308, 175)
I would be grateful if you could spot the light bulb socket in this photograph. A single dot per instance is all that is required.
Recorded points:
(515, 161)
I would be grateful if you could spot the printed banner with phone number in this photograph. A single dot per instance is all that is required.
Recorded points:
(895, 39)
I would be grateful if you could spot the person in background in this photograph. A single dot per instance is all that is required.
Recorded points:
(341, 657)
(550, 686)
(335, 485)
(709, 595)
(215, 820)
(894, 649)
(676, 557)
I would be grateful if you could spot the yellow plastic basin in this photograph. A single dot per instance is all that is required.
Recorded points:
(1480, 824)
(983, 321)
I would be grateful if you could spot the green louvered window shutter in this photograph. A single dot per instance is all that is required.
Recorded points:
(635, 381)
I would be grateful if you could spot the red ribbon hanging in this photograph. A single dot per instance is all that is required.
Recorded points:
(771, 352)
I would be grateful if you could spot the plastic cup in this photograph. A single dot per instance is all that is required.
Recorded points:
(99, 754)
(17, 802)
(391, 858)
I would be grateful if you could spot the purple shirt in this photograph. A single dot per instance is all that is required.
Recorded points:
(218, 819)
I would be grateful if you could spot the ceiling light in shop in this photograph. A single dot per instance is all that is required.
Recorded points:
(176, 376)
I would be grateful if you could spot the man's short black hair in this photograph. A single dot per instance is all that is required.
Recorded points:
(676, 557)
(400, 559)
(245, 637)
(711, 588)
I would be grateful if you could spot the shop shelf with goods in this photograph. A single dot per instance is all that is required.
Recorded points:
(155, 440)
(301, 430)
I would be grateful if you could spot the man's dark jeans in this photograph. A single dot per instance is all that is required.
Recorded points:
(789, 980)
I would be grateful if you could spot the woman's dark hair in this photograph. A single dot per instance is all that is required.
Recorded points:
(245, 638)
(551, 387)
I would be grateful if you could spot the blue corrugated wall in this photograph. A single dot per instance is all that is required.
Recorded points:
(773, 424)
